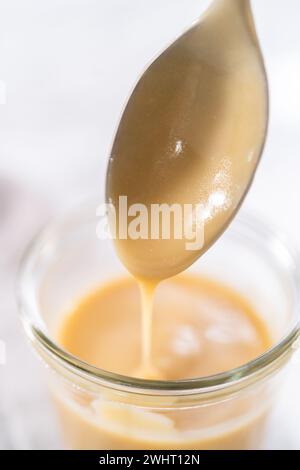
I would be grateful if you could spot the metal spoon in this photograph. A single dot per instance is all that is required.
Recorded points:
(192, 132)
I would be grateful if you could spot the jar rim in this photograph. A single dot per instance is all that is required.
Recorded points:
(262, 365)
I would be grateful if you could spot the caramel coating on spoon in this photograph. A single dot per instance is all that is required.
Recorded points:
(192, 132)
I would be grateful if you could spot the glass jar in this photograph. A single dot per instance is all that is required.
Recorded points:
(102, 410)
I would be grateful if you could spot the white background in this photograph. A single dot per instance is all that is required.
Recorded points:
(66, 68)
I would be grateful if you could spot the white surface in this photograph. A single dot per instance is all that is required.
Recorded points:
(66, 67)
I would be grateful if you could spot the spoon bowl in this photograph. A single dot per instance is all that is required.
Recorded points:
(192, 133)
